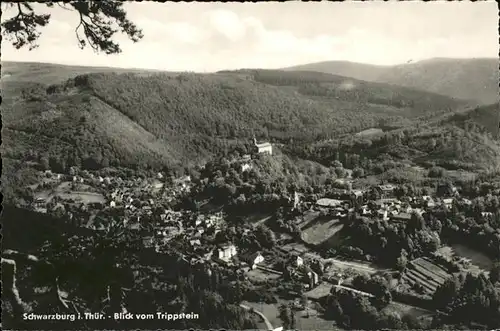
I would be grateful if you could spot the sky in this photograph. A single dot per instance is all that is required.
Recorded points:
(206, 37)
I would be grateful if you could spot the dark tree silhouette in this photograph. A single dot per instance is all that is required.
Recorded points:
(98, 22)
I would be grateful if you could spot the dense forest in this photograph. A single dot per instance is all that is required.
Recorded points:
(158, 120)
(75, 270)
(316, 84)
(467, 145)
(176, 121)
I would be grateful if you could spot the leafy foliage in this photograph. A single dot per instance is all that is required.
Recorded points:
(110, 271)
(469, 299)
(99, 20)
(315, 84)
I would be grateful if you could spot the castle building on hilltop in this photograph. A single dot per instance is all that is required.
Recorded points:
(264, 147)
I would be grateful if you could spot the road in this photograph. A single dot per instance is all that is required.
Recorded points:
(366, 294)
(268, 323)
(345, 264)
(353, 265)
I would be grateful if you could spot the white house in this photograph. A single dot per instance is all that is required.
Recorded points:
(225, 253)
(264, 147)
(112, 204)
(245, 167)
(299, 261)
(448, 203)
(253, 259)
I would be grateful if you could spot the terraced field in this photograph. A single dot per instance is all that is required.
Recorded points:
(426, 273)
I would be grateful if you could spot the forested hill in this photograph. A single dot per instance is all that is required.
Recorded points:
(485, 117)
(472, 79)
(157, 119)
(317, 84)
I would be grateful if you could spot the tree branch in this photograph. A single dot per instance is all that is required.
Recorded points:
(22, 29)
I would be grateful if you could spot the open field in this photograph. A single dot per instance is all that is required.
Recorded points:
(314, 322)
(319, 291)
(64, 192)
(370, 132)
(425, 273)
(260, 276)
(476, 258)
(479, 262)
(336, 264)
(322, 232)
(317, 229)
(85, 197)
(403, 309)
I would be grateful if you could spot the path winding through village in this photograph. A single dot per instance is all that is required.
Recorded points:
(266, 320)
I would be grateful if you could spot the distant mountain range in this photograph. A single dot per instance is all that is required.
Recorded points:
(471, 79)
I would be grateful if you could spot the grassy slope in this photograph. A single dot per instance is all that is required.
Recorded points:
(471, 79)
(49, 73)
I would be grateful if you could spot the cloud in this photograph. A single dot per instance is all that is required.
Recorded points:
(215, 36)
(171, 32)
(247, 36)
(226, 23)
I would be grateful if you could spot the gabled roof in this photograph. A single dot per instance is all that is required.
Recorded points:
(249, 257)
(266, 144)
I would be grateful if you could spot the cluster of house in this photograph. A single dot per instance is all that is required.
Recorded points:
(136, 199)
(386, 208)
(189, 229)
(225, 255)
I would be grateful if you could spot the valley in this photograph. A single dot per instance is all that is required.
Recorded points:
(316, 200)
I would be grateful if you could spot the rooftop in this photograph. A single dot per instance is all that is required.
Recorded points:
(326, 202)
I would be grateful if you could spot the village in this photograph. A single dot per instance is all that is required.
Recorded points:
(296, 269)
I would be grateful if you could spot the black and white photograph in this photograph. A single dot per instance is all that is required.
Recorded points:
(274, 166)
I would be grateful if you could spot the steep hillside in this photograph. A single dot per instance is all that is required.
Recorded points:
(471, 79)
(161, 119)
(81, 128)
(486, 118)
(444, 144)
(411, 102)
(362, 71)
(17, 76)
(143, 120)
